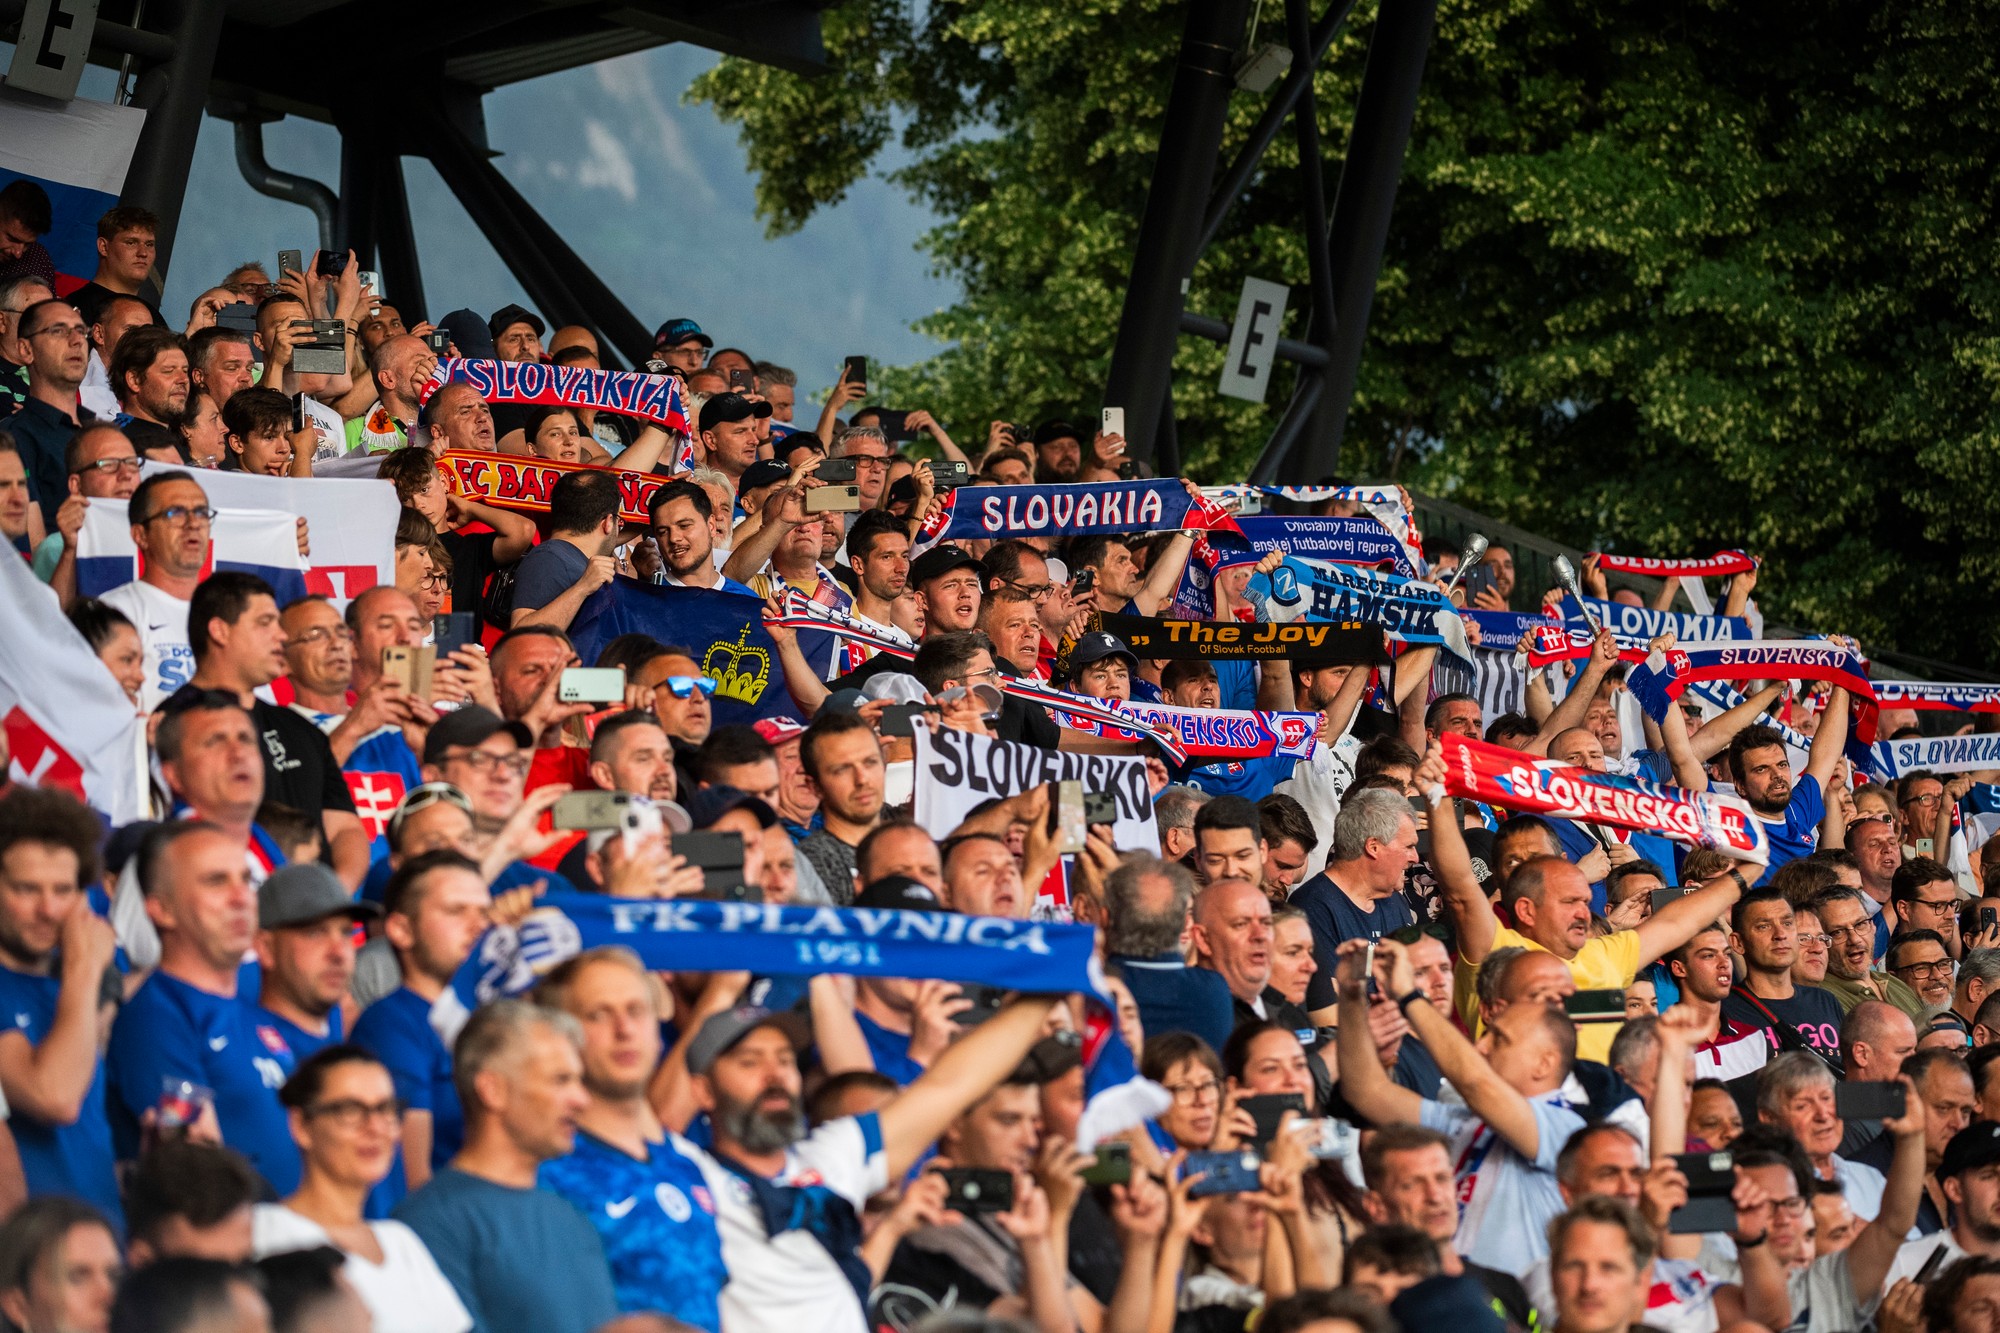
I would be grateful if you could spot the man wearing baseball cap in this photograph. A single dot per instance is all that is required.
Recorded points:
(1970, 1178)
(681, 344)
(305, 946)
(730, 434)
(517, 333)
(1100, 666)
(788, 1203)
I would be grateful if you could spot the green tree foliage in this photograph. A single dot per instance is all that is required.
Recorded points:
(1662, 276)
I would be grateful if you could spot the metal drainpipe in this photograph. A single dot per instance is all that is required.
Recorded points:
(293, 189)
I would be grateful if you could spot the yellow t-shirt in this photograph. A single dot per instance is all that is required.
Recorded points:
(1608, 962)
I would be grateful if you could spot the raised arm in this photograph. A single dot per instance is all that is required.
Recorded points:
(1873, 1252)
(1363, 1081)
(969, 1069)
(1717, 732)
(1489, 1096)
(1472, 919)
(52, 1081)
(1830, 740)
(1675, 924)
(1569, 713)
(1164, 576)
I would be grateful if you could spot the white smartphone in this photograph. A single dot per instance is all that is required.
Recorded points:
(1114, 421)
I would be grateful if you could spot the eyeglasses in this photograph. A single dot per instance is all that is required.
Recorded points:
(348, 1113)
(69, 332)
(1821, 940)
(683, 687)
(1039, 592)
(1860, 930)
(106, 466)
(179, 514)
(1194, 1094)
(1935, 904)
(482, 760)
(1925, 971)
(435, 580)
(872, 460)
(312, 638)
(1793, 1207)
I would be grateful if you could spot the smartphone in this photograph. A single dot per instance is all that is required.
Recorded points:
(949, 476)
(326, 352)
(1661, 897)
(1112, 1167)
(455, 630)
(438, 341)
(978, 1189)
(1479, 577)
(720, 856)
(1100, 807)
(181, 1103)
(238, 315)
(298, 412)
(857, 370)
(1989, 917)
(592, 685)
(1222, 1172)
(986, 1002)
(1595, 1006)
(1084, 583)
(901, 719)
(1069, 816)
(371, 282)
(1711, 1178)
(1329, 1139)
(291, 261)
(1269, 1109)
(1114, 421)
(742, 381)
(895, 425)
(588, 810)
(1869, 1101)
(837, 470)
(330, 263)
(410, 666)
(1932, 1264)
(1357, 966)
(833, 500)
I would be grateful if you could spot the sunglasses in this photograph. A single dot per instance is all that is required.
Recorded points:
(424, 796)
(1408, 935)
(682, 687)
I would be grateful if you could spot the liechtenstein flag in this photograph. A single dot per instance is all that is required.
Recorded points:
(78, 153)
(263, 542)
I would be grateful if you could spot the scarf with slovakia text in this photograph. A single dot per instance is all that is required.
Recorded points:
(655, 398)
(1496, 775)
(1106, 508)
(1722, 562)
(704, 935)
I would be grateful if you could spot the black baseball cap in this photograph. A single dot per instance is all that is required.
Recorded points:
(677, 331)
(1977, 1145)
(470, 726)
(708, 804)
(509, 315)
(763, 472)
(1057, 430)
(940, 561)
(1097, 646)
(731, 407)
(899, 892)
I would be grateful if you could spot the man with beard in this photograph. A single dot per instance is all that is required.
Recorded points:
(521, 1258)
(1058, 452)
(558, 576)
(637, 1181)
(1918, 959)
(683, 528)
(1765, 931)
(1790, 812)
(790, 1203)
(1851, 976)
(843, 760)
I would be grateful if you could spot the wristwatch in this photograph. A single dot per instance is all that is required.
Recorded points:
(1742, 884)
(1404, 1002)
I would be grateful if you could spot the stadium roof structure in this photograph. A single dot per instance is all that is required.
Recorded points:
(398, 78)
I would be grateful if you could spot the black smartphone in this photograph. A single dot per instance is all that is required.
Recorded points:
(240, 316)
(298, 412)
(1084, 583)
(456, 630)
(742, 381)
(978, 1189)
(1112, 1167)
(1595, 1006)
(895, 426)
(986, 1002)
(1711, 1178)
(949, 476)
(720, 857)
(1100, 807)
(901, 719)
(1988, 918)
(330, 263)
(857, 370)
(1479, 577)
(837, 471)
(1661, 897)
(1870, 1101)
(1932, 1264)
(291, 261)
(438, 341)
(1222, 1172)
(1269, 1109)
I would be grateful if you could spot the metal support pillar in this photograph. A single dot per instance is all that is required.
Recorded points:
(1170, 228)
(1383, 114)
(173, 94)
(396, 245)
(266, 179)
(557, 281)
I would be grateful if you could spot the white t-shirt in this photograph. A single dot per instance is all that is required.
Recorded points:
(405, 1292)
(95, 391)
(329, 431)
(162, 622)
(1914, 1254)
(789, 1283)
(1505, 1200)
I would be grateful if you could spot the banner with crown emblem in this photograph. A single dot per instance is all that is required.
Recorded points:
(725, 631)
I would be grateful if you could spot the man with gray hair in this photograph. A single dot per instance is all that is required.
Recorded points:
(1358, 895)
(780, 387)
(1147, 900)
(869, 447)
(1174, 810)
(1978, 977)
(520, 1257)
(1795, 1093)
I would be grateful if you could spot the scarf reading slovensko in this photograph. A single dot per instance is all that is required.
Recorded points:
(1774, 659)
(1496, 775)
(523, 483)
(991, 513)
(655, 398)
(1722, 562)
(703, 935)
(1932, 694)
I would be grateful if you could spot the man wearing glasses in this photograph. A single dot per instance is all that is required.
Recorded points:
(53, 342)
(1923, 895)
(170, 525)
(102, 465)
(1850, 974)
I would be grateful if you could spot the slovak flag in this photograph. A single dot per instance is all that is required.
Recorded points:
(263, 542)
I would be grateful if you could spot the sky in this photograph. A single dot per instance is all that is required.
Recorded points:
(654, 194)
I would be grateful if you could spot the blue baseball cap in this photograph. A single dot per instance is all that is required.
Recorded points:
(677, 331)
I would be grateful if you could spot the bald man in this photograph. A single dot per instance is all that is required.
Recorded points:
(1875, 1040)
(1232, 937)
(402, 366)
